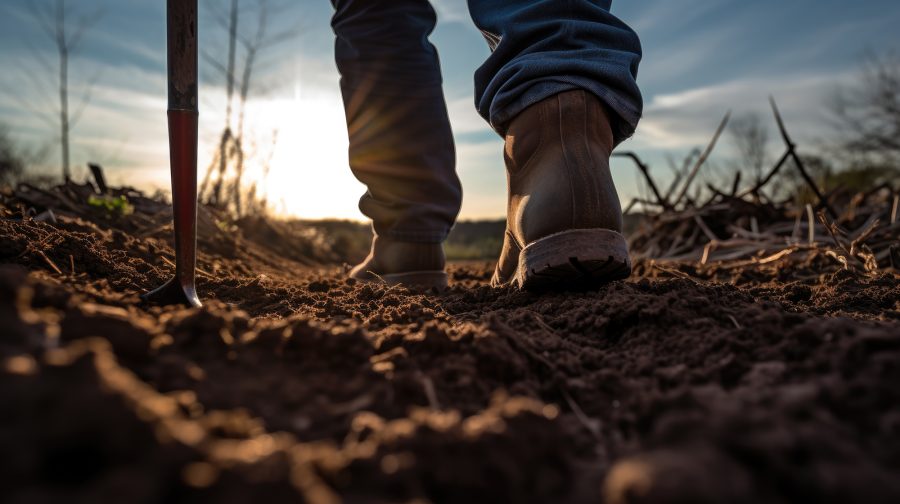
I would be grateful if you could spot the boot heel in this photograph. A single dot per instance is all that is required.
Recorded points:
(578, 258)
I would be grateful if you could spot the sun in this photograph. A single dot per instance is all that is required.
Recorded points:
(309, 175)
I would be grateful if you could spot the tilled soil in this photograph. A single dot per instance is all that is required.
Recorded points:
(294, 384)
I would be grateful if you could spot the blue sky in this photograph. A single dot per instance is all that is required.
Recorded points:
(701, 58)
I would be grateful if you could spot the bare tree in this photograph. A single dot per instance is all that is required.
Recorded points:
(227, 144)
(217, 189)
(868, 113)
(12, 161)
(56, 21)
(15, 158)
(750, 138)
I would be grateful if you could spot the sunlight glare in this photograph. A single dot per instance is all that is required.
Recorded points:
(309, 177)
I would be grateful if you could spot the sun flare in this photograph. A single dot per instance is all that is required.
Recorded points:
(309, 175)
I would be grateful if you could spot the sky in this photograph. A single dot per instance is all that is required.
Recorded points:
(701, 59)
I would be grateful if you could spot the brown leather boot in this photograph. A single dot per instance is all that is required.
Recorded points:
(564, 220)
(419, 266)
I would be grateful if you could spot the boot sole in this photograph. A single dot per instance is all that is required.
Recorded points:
(417, 280)
(574, 259)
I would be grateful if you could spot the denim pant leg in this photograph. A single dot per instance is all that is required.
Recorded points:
(543, 47)
(401, 145)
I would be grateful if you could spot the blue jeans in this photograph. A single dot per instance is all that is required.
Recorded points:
(401, 145)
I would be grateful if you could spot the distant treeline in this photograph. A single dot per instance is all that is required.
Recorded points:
(469, 240)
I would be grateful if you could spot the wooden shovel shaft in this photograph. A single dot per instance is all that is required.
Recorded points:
(182, 44)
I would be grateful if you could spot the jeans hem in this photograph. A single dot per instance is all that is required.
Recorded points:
(624, 121)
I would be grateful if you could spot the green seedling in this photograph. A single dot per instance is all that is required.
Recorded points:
(114, 206)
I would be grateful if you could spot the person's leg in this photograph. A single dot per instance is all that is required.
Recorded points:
(560, 87)
(401, 145)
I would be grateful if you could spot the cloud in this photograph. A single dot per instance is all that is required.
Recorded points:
(465, 118)
(483, 175)
(688, 118)
(452, 11)
(656, 16)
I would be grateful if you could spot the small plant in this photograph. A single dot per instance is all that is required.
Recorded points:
(226, 226)
(119, 207)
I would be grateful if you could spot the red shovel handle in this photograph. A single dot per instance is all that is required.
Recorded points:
(183, 158)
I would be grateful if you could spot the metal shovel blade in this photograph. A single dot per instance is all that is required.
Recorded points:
(183, 113)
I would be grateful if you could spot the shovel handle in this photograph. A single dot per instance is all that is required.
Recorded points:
(181, 17)
(183, 115)
(183, 159)
(182, 62)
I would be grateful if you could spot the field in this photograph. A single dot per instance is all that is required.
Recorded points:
(713, 379)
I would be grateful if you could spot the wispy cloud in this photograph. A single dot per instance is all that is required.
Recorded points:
(464, 118)
(651, 17)
(687, 118)
(483, 174)
(451, 11)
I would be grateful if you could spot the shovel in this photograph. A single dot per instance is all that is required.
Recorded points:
(183, 112)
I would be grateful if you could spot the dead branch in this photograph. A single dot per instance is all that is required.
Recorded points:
(702, 159)
(791, 150)
(645, 170)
